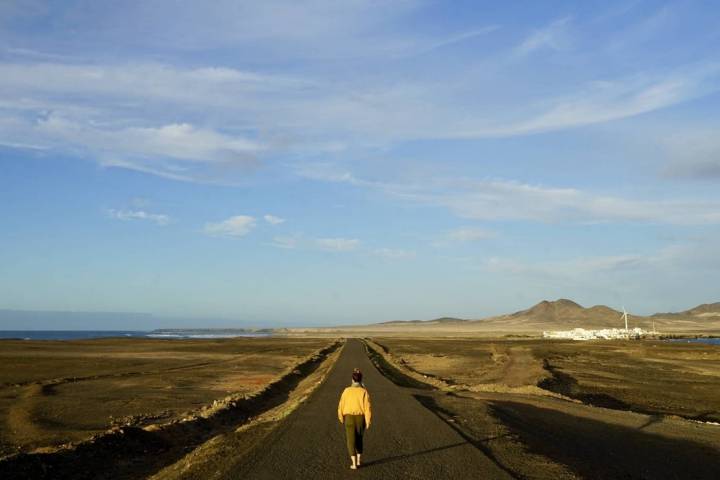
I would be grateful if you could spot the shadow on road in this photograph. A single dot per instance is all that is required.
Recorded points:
(595, 449)
(405, 456)
(429, 402)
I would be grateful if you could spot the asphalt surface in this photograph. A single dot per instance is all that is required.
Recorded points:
(406, 440)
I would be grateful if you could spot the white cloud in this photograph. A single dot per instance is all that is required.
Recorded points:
(273, 220)
(470, 234)
(301, 242)
(453, 39)
(495, 200)
(503, 200)
(128, 115)
(326, 172)
(179, 151)
(604, 101)
(206, 86)
(194, 122)
(624, 278)
(394, 253)
(698, 256)
(337, 244)
(170, 148)
(652, 26)
(582, 266)
(22, 146)
(157, 218)
(553, 36)
(276, 28)
(286, 242)
(237, 226)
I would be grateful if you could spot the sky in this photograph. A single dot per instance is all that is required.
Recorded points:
(281, 163)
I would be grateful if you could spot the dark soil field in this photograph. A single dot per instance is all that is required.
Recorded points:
(54, 392)
(671, 389)
(496, 409)
(653, 377)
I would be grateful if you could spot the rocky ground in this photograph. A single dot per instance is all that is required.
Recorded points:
(603, 410)
(655, 377)
(55, 392)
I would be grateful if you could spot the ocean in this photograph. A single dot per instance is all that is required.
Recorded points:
(87, 334)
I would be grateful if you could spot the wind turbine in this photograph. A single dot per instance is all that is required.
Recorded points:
(624, 316)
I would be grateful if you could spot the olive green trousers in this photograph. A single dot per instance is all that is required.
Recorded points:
(354, 430)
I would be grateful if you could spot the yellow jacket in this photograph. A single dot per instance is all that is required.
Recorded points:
(355, 401)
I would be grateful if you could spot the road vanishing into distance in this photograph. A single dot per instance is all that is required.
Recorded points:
(405, 441)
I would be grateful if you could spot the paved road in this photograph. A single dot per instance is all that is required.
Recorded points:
(405, 441)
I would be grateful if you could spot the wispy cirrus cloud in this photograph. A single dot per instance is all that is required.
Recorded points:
(394, 253)
(273, 220)
(424, 47)
(287, 242)
(507, 200)
(112, 84)
(327, 244)
(470, 234)
(553, 36)
(581, 266)
(187, 120)
(98, 116)
(157, 218)
(503, 200)
(278, 28)
(498, 200)
(237, 226)
(699, 255)
(172, 150)
(337, 244)
(606, 100)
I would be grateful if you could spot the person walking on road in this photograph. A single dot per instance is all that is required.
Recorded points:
(355, 413)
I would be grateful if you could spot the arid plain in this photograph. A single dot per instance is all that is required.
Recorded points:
(539, 408)
(563, 409)
(56, 392)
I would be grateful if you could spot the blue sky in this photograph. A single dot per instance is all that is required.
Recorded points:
(323, 162)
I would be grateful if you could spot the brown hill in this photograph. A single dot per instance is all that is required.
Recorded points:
(706, 310)
(425, 322)
(546, 311)
(562, 314)
(565, 311)
(559, 315)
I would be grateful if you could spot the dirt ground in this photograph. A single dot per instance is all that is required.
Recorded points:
(541, 436)
(544, 437)
(652, 377)
(54, 392)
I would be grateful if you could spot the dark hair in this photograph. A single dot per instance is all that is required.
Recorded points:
(357, 375)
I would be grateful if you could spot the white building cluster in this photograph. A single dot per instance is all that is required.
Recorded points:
(604, 334)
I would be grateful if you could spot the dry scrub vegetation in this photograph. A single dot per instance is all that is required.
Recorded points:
(53, 392)
(510, 400)
(644, 376)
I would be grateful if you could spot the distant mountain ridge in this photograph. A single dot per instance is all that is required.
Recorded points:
(435, 320)
(564, 314)
(703, 310)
